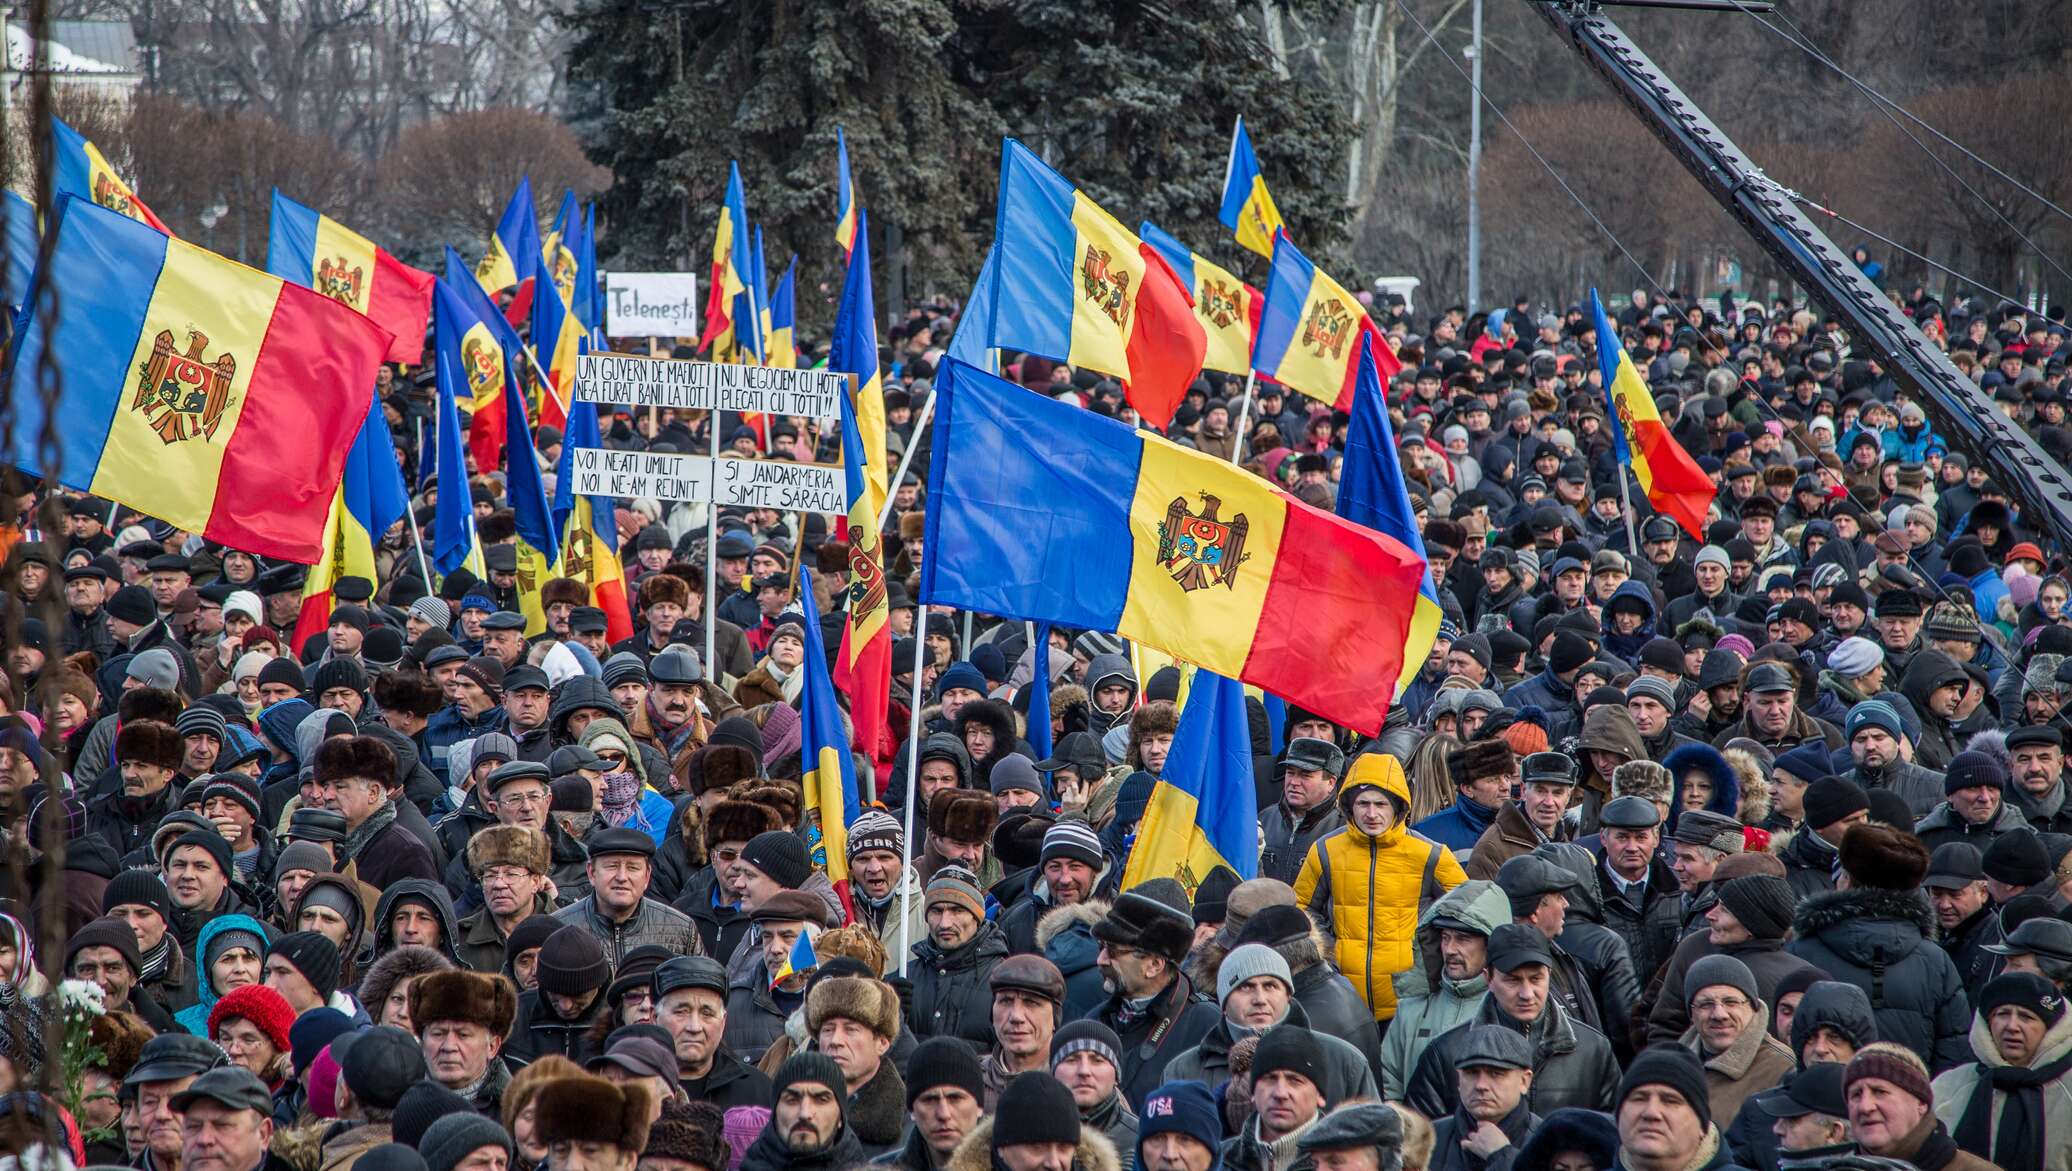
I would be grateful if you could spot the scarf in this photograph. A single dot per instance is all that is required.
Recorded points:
(2018, 1143)
(157, 960)
(2037, 809)
(1707, 1148)
(357, 838)
(621, 797)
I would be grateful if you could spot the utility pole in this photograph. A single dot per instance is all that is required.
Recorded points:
(1474, 54)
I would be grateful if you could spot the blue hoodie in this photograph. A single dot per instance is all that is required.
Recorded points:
(195, 1017)
(1627, 646)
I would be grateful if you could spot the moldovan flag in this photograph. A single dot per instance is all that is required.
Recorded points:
(1043, 512)
(863, 666)
(829, 779)
(730, 267)
(210, 395)
(83, 171)
(590, 529)
(1310, 329)
(1204, 811)
(1248, 209)
(539, 544)
(370, 499)
(1371, 492)
(781, 346)
(494, 358)
(557, 328)
(1077, 286)
(1674, 483)
(846, 208)
(454, 543)
(589, 290)
(970, 343)
(1227, 307)
(19, 230)
(317, 252)
(513, 259)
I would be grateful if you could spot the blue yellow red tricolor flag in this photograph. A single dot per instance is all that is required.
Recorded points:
(513, 260)
(370, 498)
(1673, 482)
(589, 529)
(558, 249)
(485, 349)
(1248, 209)
(731, 271)
(1043, 512)
(1311, 328)
(863, 666)
(1227, 307)
(81, 170)
(317, 252)
(781, 346)
(589, 288)
(539, 544)
(1371, 492)
(212, 396)
(754, 304)
(828, 770)
(557, 332)
(454, 543)
(846, 206)
(1204, 811)
(972, 343)
(801, 959)
(1075, 285)
(19, 229)
(1039, 693)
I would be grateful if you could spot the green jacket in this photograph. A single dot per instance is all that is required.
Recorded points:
(1428, 1004)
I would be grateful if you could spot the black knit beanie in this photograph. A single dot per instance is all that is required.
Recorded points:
(1035, 1108)
(572, 962)
(1672, 1066)
(811, 1066)
(313, 955)
(781, 854)
(944, 1061)
(140, 888)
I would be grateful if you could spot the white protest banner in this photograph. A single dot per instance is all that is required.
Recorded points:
(660, 476)
(781, 484)
(730, 480)
(652, 304)
(632, 380)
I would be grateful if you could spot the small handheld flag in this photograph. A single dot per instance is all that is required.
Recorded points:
(801, 959)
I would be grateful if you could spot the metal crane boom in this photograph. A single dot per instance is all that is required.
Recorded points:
(1966, 416)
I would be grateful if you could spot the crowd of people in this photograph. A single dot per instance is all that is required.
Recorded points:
(1747, 848)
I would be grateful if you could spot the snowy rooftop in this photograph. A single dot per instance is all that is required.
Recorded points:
(76, 46)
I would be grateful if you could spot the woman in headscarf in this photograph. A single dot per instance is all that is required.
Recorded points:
(233, 954)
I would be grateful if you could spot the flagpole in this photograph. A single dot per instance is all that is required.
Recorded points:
(1244, 411)
(906, 458)
(906, 863)
(712, 557)
(424, 567)
(1626, 503)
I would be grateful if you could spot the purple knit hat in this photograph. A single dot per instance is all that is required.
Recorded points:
(780, 733)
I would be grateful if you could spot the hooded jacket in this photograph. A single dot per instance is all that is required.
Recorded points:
(1093, 1153)
(1954, 1089)
(1627, 646)
(431, 892)
(1725, 798)
(1065, 937)
(1427, 1003)
(1103, 669)
(195, 1017)
(1608, 727)
(1927, 670)
(1809, 862)
(653, 814)
(1367, 890)
(1879, 940)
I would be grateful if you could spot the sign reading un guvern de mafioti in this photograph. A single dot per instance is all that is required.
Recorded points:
(629, 380)
(729, 480)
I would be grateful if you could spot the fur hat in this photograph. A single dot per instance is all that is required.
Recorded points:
(564, 589)
(475, 997)
(870, 1003)
(1880, 856)
(507, 845)
(1159, 717)
(589, 1109)
(786, 797)
(1642, 778)
(150, 742)
(856, 942)
(1482, 758)
(734, 820)
(719, 766)
(398, 964)
(354, 756)
(963, 815)
(1153, 916)
(407, 691)
(121, 1038)
(913, 525)
(663, 587)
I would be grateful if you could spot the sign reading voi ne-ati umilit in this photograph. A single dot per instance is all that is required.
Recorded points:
(730, 481)
(630, 380)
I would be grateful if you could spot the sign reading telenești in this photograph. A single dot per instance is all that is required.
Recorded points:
(729, 480)
(635, 381)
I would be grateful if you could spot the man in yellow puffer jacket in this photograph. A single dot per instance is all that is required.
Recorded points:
(1366, 883)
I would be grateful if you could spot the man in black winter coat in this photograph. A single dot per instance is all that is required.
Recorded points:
(1494, 1117)
(1154, 1008)
(807, 1130)
(559, 1015)
(952, 996)
(1965, 918)
(1636, 890)
(690, 995)
(1599, 953)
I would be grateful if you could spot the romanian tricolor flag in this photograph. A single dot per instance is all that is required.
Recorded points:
(1248, 209)
(847, 210)
(315, 251)
(485, 348)
(1204, 811)
(1227, 307)
(801, 959)
(1310, 329)
(829, 777)
(370, 499)
(1674, 483)
(513, 260)
(1042, 512)
(589, 529)
(454, 544)
(1371, 492)
(1077, 286)
(730, 268)
(210, 395)
(863, 666)
(82, 170)
(781, 345)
